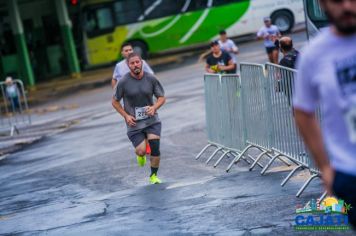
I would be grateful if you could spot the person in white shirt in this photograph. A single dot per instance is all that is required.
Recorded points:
(327, 78)
(121, 67)
(228, 46)
(270, 33)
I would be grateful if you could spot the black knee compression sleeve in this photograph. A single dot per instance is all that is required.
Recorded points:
(154, 144)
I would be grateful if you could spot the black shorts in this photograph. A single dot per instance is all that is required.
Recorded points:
(270, 49)
(137, 136)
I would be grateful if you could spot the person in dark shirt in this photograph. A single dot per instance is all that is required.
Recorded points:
(289, 60)
(219, 61)
(290, 55)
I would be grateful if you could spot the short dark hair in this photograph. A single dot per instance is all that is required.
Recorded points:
(213, 43)
(125, 45)
(131, 55)
(222, 32)
(286, 45)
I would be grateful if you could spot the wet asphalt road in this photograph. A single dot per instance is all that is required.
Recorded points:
(85, 181)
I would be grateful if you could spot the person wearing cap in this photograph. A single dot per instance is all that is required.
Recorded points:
(219, 61)
(270, 33)
(12, 94)
(228, 46)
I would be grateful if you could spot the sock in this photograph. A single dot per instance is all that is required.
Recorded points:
(154, 170)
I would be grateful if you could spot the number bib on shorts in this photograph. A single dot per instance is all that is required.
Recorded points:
(140, 113)
(350, 118)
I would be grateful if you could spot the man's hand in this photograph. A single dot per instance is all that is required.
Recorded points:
(210, 71)
(151, 110)
(130, 120)
(328, 174)
(221, 67)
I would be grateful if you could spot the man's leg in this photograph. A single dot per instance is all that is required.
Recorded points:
(275, 56)
(154, 141)
(138, 140)
(344, 187)
(141, 153)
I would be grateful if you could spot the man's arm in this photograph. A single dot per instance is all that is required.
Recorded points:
(113, 83)
(151, 110)
(230, 66)
(208, 70)
(130, 120)
(310, 130)
(235, 49)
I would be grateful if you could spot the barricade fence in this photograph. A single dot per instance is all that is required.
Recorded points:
(254, 111)
(14, 111)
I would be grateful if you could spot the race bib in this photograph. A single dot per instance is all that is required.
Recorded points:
(350, 118)
(140, 113)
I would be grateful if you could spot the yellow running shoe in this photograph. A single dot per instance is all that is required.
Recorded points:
(154, 179)
(141, 161)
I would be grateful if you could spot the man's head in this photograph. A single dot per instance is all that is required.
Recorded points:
(134, 61)
(342, 14)
(223, 36)
(126, 49)
(8, 80)
(267, 21)
(215, 47)
(286, 44)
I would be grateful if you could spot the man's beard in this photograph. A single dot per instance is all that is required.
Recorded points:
(347, 30)
(137, 70)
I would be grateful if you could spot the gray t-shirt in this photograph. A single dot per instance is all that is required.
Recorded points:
(327, 77)
(138, 93)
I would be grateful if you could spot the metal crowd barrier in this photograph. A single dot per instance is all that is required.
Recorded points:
(14, 111)
(255, 111)
(225, 127)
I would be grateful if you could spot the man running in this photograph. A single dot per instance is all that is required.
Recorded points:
(219, 61)
(228, 46)
(327, 76)
(137, 89)
(270, 33)
(121, 67)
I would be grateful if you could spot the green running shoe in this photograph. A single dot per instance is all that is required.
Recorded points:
(141, 161)
(154, 179)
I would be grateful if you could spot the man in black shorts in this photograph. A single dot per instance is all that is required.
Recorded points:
(219, 61)
(137, 89)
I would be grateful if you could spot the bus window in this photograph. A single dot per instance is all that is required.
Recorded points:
(155, 10)
(127, 11)
(99, 21)
(224, 2)
(197, 5)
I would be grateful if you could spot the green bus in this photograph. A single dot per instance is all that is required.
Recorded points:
(160, 26)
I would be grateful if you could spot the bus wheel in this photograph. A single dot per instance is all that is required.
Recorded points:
(284, 20)
(140, 48)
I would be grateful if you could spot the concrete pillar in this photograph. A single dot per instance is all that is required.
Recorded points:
(66, 31)
(22, 51)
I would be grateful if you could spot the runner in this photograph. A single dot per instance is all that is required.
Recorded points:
(121, 67)
(219, 61)
(228, 46)
(327, 76)
(137, 89)
(270, 33)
